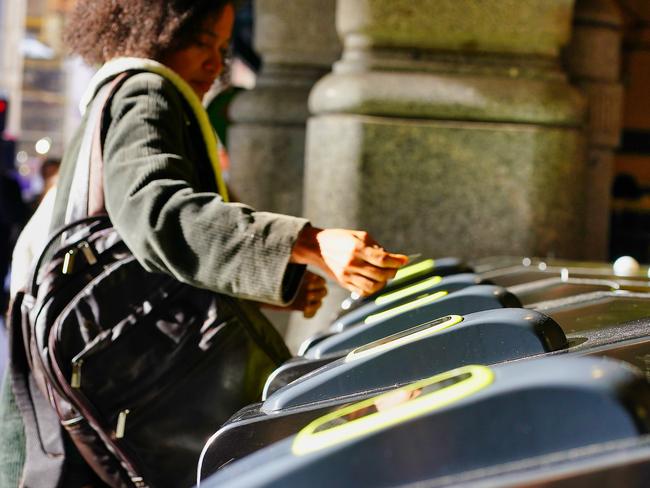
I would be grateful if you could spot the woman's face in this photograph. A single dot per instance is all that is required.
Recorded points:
(200, 63)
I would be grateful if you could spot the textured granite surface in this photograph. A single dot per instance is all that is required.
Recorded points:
(272, 105)
(298, 43)
(296, 32)
(448, 188)
(532, 26)
(449, 97)
(267, 166)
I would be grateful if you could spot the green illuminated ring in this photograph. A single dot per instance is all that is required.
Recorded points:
(425, 300)
(402, 339)
(308, 440)
(413, 269)
(409, 290)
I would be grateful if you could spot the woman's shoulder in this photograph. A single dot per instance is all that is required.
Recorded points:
(148, 83)
(149, 90)
(147, 79)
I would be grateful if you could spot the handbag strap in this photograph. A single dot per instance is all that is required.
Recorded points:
(44, 446)
(87, 189)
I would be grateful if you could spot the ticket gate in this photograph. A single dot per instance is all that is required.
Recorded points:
(527, 293)
(510, 271)
(515, 275)
(588, 320)
(496, 263)
(470, 418)
(417, 308)
(389, 300)
(442, 344)
(430, 304)
(425, 351)
(606, 323)
(593, 311)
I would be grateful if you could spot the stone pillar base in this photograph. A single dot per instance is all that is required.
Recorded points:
(468, 189)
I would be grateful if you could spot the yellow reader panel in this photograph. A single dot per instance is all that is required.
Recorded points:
(408, 291)
(425, 300)
(405, 337)
(413, 269)
(392, 408)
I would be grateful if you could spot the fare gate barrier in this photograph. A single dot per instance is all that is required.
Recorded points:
(587, 320)
(496, 263)
(528, 294)
(389, 363)
(433, 347)
(572, 309)
(440, 345)
(467, 419)
(418, 289)
(416, 309)
(510, 271)
(585, 312)
(432, 289)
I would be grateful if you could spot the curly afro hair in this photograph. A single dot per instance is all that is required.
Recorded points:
(99, 30)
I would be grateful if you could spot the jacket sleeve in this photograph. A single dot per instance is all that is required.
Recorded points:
(151, 195)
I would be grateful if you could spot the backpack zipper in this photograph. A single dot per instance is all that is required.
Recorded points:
(120, 429)
(75, 381)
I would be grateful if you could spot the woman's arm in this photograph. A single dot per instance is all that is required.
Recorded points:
(154, 198)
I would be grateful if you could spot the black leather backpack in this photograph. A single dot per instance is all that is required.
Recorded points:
(139, 368)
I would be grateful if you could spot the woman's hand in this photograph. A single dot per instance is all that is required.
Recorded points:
(309, 297)
(352, 258)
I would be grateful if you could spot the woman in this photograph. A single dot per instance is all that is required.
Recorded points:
(162, 187)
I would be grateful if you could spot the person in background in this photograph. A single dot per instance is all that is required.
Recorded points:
(49, 172)
(13, 215)
(162, 187)
(34, 235)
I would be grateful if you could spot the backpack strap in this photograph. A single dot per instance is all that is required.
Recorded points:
(44, 449)
(87, 189)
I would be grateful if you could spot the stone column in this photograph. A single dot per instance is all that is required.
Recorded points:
(449, 128)
(298, 44)
(594, 63)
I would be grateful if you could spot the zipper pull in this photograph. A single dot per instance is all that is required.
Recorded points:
(88, 253)
(121, 424)
(75, 381)
(68, 261)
